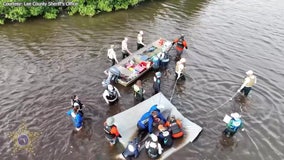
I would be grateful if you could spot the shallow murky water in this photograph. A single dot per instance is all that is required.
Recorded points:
(44, 62)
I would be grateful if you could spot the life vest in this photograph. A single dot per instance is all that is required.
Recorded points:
(235, 124)
(153, 151)
(157, 83)
(112, 95)
(108, 134)
(175, 127)
(167, 140)
(156, 62)
(251, 81)
(138, 92)
(180, 43)
(130, 150)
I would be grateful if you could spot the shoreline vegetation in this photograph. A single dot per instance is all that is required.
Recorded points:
(21, 10)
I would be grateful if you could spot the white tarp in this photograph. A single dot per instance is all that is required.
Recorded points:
(126, 122)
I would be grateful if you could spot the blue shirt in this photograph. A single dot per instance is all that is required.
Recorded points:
(147, 119)
(77, 120)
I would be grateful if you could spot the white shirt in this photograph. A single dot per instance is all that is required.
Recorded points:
(140, 39)
(111, 53)
(152, 144)
(124, 45)
(179, 68)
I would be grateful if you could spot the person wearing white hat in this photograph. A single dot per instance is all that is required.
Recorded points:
(140, 43)
(111, 132)
(112, 55)
(153, 147)
(179, 68)
(124, 48)
(157, 82)
(249, 81)
(111, 94)
(234, 124)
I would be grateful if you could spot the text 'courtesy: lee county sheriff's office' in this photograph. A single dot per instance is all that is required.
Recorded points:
(33, 4)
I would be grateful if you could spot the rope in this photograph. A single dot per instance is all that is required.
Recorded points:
(173, 91)
(224, 103)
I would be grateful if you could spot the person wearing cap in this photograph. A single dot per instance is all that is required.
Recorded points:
(249, 81)
(153, 147)
(175, 127)
(140, 43)
(75, 99)
(147, 120)
(179, 68)
(77, 116)
(234, 124)
(111, 94)
(111, 132)
(112, 55)
(164, 137)
(180, 45)
(157, 82)
(138, 91)
(124, 48)
(131, 150)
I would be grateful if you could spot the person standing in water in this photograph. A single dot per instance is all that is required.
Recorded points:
(124, 48)
(112, 55)
(138, 91)
(249, 81)
(140, 43)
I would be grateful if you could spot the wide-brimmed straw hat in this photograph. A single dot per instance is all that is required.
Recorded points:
(236, 115)
(249, 72)
(110, 121)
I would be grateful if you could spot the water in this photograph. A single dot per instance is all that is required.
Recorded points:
(44, 62)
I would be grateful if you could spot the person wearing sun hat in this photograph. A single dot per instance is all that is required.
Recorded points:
(111, 132)
(234, 125)
(248, 82)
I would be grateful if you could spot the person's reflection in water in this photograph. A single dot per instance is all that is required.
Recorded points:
(242, 103)
(227, 142)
